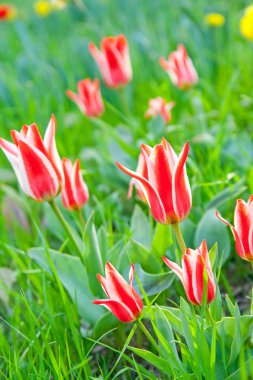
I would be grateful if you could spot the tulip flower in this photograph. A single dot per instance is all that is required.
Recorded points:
(214, 19)
(36, 163)
(194, 264)
(113, 60)
(7, 12)
(246, 23)
(180, 68)
(88, 97)
(43, 8)
(143, 171)
(159, 106)
(123, 301)
(166, 186)
(243, 228)
(75, 192)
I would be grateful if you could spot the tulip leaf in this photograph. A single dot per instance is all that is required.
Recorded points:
(73, 276)
(213, 230)
(228, 193)
(141, 228)
(158, 362)
(106, 323)
(162, 240)
(153, 283)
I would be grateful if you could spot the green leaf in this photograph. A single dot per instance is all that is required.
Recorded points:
(93, 258)
(161, 364)
(212, 230)
(153, 283)
(162, 239)
(140, 228)
(106, 323)
(73, 276)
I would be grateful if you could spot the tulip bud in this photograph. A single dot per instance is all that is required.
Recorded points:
(243, 229)
(113, 60)
(88, 97)
(180, 68)
(192, 274)
(159, 106)
(166, 186)
(75, 192)
(123, 301)
(36, 163)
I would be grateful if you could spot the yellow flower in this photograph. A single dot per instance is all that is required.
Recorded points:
(215, 19)
(246, 23)
(43, 8)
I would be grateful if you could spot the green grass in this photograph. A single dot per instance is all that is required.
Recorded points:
(42, 336)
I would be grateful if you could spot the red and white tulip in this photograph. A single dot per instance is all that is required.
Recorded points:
(166, 185)
(35, 161)
(160, 106)
(180, 68)
(75, 192)
(88, 97)
(113, 60)
(123, 301)
(195, 263)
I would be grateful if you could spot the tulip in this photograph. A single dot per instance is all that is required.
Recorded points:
(36, 162)
(194, 264)
(246, 23)
(166, 186)
(113, 60)
(7, 12)
(43, 8)
(159, 106)
(75, 192)
(180, 68)
(214, 19)
(88, 97)
(123, 301)
(243, 228)
(142, 170)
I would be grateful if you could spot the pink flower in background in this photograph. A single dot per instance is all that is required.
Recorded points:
(160, 106)
(113, 60)
(123, 301)
(194, 264)
(166, 186)
(180, 68)
(36, 162)
(243, 228)
(142, 170)
(88, 98)
(75, 192)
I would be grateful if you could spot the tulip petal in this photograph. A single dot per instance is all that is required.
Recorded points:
(176, 268)
(120, 310)
(188, 263)
(242, 223)
(134, 294)
(38, 176)
(11, 152)
(239, 246)
(198, 279)
(181, 192)
(81, 192)
(249, 255)
(68, 198)
(76, 99)
(50, 145)
(151, 194)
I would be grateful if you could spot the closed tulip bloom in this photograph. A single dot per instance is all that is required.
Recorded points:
(180, 68)
(75, 192)
(243, 228)
(36, 162)
(194, 264)
(143, 171)
(160, 106)
(123, 301)
(166, 186)
(88, 97)
(113, 60)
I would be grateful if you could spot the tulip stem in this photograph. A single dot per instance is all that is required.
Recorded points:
(149, 336)
(179, 237)
(66, 227)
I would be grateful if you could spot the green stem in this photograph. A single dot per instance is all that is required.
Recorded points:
(123, 99)
(66, 227)
(81, 217)
(179, 237)
(149, 336)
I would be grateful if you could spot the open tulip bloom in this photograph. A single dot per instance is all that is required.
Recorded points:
(75, 192)
(143, 171)
(88, 97)
(113, 60)
(166, 186)
(36, 162)
(194, 264)
(180, 68)
(123, 301)
(243, 228)
(160, 106)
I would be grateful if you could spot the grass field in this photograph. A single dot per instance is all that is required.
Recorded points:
(49, 327)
